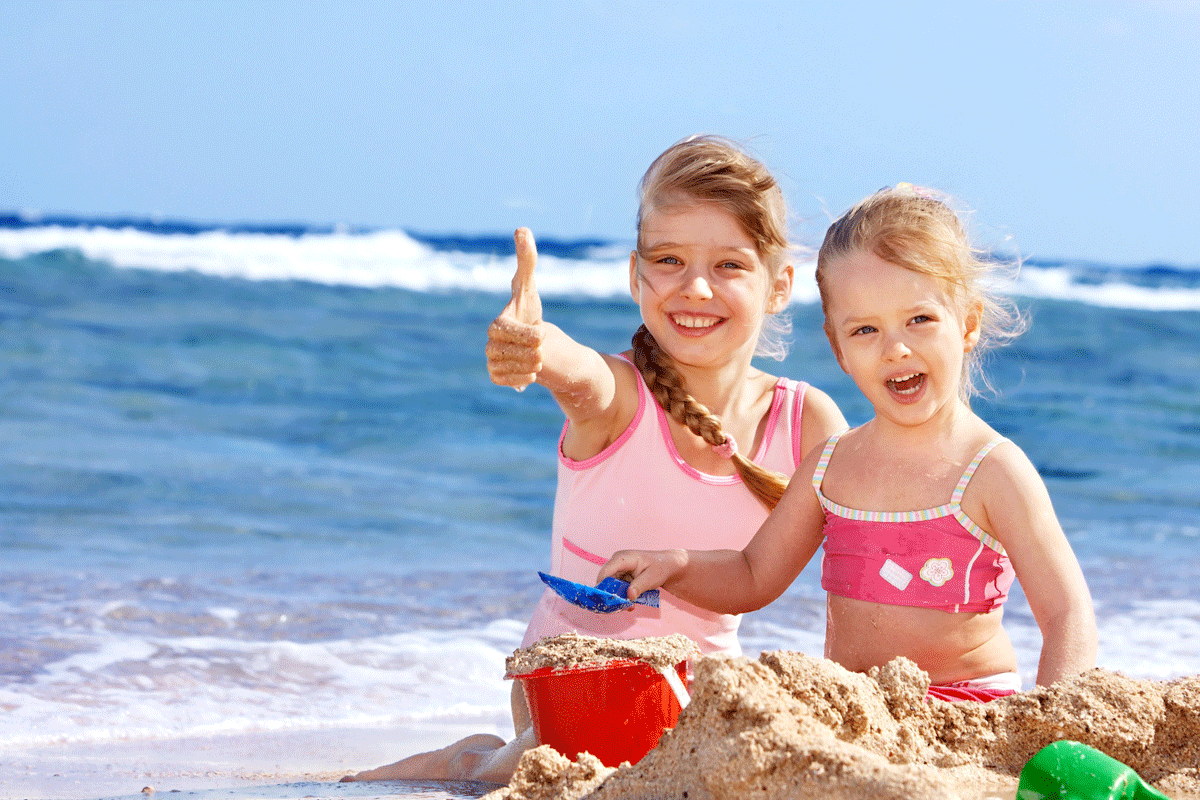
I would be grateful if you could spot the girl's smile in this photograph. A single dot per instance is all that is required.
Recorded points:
(899, 334)
(907, 387)
(701, 284)
(695, 324)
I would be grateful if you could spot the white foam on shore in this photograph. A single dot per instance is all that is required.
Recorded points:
(369, 260)
(392, 258)
(116, 680)
(159, 687)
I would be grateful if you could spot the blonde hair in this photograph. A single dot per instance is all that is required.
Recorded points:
(915, 228)
(713, 169)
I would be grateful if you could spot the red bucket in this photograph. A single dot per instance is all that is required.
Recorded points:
(616, 711)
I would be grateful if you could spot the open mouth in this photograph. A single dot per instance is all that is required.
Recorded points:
(907, 384)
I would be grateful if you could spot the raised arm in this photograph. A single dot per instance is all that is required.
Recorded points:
(731, 581)
(1018, 511)
(592, 389)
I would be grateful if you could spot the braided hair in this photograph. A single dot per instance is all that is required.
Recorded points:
(670, 391)
(716, 170)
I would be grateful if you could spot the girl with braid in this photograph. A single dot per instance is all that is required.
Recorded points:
(677, 443)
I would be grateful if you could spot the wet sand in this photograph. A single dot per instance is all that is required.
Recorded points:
(279, 765)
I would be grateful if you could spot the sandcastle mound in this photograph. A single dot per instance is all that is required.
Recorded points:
(792, 726)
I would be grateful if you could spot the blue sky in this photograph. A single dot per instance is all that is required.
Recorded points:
(1073, 129)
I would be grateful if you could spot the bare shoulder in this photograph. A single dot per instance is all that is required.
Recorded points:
(821, 411)
(625, 392)
(1007, 465)
(1008, 498)
(626, 377)
(812, 456)
(814, 445)
(819, 418)
(588, 435)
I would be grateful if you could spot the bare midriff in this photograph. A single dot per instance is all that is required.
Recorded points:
(949, 646)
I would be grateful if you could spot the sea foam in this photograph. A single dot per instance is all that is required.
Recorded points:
(394, 258)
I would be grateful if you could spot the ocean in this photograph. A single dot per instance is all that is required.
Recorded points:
(256, 479)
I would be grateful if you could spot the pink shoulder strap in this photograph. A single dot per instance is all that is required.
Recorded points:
(823, 464)
(956, 498)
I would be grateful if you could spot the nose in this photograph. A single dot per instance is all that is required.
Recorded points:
(895, 348)
(696, 286)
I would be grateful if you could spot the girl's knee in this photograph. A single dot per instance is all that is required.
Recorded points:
(494, 766)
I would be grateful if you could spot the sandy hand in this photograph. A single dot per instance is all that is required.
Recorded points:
(643, 569)
(514, 348)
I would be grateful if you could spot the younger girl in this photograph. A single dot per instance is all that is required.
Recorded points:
(925, 512)
(679, 442)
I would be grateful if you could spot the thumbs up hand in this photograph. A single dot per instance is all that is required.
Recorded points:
(514, 347)
(526, 304)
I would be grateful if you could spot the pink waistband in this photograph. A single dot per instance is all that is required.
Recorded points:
(954, 694)
(983, 690)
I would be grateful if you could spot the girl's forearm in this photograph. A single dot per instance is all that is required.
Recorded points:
(1070, 649)
(716, 580)
(578, 377)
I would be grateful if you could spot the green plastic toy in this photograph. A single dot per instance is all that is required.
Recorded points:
(1067, 770)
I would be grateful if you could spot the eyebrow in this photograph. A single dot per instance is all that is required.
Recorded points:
(675, 245)
(847, 322)
(911, 311)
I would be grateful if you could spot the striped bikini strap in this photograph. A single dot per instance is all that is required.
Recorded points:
(956, 498)
(823, 464)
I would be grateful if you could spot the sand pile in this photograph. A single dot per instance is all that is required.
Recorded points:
(793, 726)
(572, 650)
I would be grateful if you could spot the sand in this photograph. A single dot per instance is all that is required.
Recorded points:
(783, 726)
(266, 765)
(574, 650)
(792, 726)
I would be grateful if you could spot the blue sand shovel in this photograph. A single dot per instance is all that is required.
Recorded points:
(604, 598)
(1067, 770)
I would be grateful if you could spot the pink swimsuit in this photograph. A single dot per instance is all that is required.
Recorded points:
(936, 558)
(640, 493)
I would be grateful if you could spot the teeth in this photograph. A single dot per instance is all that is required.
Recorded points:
(907, 384)
(689, 321)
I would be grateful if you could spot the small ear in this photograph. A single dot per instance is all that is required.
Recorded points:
(781, 292)
(971, 327)
(634, 289)
(837, 351)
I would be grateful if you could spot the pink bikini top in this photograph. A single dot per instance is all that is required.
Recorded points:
(936, 558)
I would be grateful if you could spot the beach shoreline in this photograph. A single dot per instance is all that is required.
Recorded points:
(262, 764)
